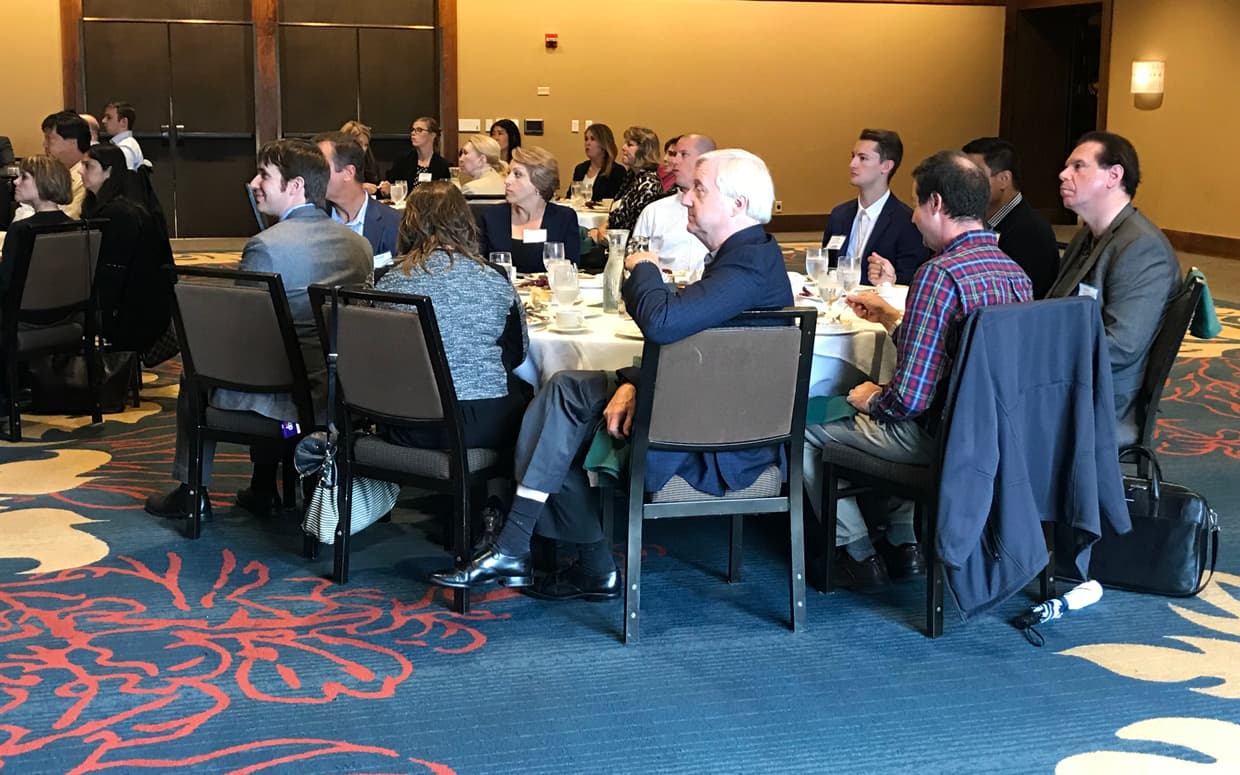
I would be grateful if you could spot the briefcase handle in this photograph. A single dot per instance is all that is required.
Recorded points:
(1140, 451)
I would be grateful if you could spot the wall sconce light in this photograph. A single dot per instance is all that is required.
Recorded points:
(1147, 84)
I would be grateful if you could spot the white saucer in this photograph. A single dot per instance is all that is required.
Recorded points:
(835, 328)
(555, 329)
(629, 331)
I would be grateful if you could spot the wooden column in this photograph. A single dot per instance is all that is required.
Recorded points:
(266, 15)
(446, 21)
(71, 53)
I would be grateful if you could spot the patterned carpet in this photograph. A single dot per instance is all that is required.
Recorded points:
(126, 648)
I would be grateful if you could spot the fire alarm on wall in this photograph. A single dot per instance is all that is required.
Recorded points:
(552, 40)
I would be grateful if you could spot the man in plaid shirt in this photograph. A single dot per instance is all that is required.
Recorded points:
(897, 421)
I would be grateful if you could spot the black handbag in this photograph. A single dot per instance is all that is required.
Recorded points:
(1173, 546)
(59, 384)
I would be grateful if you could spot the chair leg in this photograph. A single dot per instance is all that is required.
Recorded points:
(830, 498)
(1047, 577)
(195, 485)
(934, 572)
(15, 417)
(461, 546)
(632, 574)
(291, 482)
(94, 381)
(135, 384)
(344, 527)
(737, 532)
(796, 575)
(310, 546)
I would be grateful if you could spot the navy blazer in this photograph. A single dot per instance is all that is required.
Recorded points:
(747, 272)
(381, 227)
(1031, 440)
(495, 233)
(894, 237)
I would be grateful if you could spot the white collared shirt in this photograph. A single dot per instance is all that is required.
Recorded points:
(856, 241)
(129, 145)
(669, 219)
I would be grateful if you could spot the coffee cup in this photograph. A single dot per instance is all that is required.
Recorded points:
(569, 318)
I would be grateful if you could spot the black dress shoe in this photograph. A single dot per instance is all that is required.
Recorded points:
(491, 565)
(858, 575)
(573, 583)
(904, 561)
(174, 504)
(258, 503)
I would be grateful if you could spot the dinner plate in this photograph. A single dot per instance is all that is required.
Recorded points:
(555, 329)
(629, 331)
(835, 328)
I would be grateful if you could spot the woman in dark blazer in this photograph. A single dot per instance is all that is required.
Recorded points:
(43, 183)
(529, 219)
(423, 164)
(132, 283)
(601, 169)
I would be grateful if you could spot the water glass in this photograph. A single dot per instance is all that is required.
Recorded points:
(562, 279)
(637, 245)
(504, 261)
(400, 188)
(454, 173)
(850, 272)
(552, 251)
(815, 262)
(830, 288)
(578, 190)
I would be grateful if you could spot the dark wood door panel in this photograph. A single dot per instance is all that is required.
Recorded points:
(399, 78)
(128, 61)
(219, 10)
(318, 77)
(391, 12)
(210, 199)
(213, 77)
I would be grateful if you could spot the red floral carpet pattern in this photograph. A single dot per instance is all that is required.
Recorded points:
(246, 637)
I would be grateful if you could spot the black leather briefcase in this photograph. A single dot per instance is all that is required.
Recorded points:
(1173, 546)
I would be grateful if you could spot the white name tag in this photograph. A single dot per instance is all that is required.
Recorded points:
(1085, 289)
(383, 259)
(836, 242)
(534, 235)
(424, 177)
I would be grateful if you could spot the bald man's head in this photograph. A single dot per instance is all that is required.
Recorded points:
(688, 149)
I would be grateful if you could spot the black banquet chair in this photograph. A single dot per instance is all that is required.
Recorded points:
(236, 333)
(753, 371)
(49, 307)
(391, 369)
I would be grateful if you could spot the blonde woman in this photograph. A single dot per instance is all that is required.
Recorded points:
(529, 219)
(641, 186)
(480, 161)
(423, 163)
(370, 167)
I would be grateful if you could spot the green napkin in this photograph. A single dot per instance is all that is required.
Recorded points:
(1205, 323)
(607, 456)
(824, 409)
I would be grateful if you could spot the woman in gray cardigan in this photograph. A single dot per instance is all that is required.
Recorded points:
(480, 317)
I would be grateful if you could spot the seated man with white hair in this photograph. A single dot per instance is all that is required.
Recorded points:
(729, 198)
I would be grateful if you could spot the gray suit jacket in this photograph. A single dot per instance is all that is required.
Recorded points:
(1136, 272)
(306, 248)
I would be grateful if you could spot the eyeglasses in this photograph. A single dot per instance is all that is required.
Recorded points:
(417, 130)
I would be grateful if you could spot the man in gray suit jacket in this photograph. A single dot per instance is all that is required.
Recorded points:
(305, 247)
(1119, 258)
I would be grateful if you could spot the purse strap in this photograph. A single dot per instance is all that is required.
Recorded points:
(332, 355)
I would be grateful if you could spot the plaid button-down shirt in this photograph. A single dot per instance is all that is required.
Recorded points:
(971, 272)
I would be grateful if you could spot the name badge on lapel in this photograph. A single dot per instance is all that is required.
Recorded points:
(1085, 289)
(424, 177)
(836, 242)
(534, 235)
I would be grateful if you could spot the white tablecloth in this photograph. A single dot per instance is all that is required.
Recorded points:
(589, 219)
(840, 360)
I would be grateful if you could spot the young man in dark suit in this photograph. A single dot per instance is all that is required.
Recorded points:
(1023, 233)
(876, 225)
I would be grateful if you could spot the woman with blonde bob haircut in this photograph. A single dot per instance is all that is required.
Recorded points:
(529, 219)
(480, 317)
(641, 186)
(370, 167)
(480, 161)
(42, 184)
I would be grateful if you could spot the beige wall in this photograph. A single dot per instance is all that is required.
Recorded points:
(793, 82)
(1188, 166)
(30, 62)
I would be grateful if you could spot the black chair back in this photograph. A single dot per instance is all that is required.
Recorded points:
(58, 273)
(236, 332)
(1162, 355)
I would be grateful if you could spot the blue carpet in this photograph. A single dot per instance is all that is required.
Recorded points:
(135, 650)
